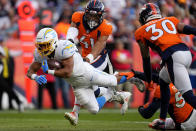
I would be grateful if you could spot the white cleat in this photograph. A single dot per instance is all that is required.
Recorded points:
(126, 96)
(117, 97)
(71, 117)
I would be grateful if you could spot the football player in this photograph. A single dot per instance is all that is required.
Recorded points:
(92, 31)
(183, 116)
(81, 75)
(162, 35)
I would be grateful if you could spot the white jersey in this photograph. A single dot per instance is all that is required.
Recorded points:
(84, 74)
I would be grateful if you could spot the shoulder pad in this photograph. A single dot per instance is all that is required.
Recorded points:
(106, 28)
(65, 49)
(77, 16)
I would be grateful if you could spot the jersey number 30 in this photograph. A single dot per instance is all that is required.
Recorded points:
(159, 31)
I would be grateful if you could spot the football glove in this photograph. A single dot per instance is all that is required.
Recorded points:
(128, 75)
(41, 79)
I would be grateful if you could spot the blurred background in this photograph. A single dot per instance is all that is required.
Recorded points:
(21, 19)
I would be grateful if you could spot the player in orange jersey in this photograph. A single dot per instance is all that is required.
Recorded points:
(162, 35)
(92, 32)
(183, 116)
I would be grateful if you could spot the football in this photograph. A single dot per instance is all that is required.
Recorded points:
(54, 64)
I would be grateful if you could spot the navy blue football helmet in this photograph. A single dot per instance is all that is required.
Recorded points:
(94, 13)
(149, 12)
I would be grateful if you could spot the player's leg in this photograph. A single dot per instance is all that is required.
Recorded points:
(80, 99)
(101, 100)
(104, 79)
(99, 91)
(169, 124)
(181, 61)
(165, 92)
(73, 116)
(86, 98)
(190, 124)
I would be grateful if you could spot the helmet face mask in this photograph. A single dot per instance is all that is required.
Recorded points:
(149, 12)
(46, 41)
(92, 18)
(45, 48)
(93, 15)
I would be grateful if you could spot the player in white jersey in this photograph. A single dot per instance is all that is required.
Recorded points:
(74, 70)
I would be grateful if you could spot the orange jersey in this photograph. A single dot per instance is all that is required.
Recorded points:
(159, 34)
(88, 38)
(179, 109)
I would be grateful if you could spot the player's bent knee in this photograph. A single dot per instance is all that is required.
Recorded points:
(82, 98)
(94, 110)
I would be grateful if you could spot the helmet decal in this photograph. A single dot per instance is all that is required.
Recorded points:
(48, 30)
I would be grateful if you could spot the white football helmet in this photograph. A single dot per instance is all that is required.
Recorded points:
(46, 41)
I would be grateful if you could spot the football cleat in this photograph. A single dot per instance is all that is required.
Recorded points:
(71, 117)
(126, 96)
(139, 84)
(117, 97)
(157, 124)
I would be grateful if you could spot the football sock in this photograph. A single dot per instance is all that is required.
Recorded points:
(101, 101)
(165, 97)
(76, 107)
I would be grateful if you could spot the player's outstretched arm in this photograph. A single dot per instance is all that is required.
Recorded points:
(34, 67)
(31, 73)
(97, 48)
(186, 29)
(146, 61)
(72, 32)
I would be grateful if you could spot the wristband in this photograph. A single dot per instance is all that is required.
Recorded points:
(51, 72)
(189, 30)
(33, 76)
(90, 57)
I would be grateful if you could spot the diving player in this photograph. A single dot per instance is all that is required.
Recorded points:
(81, 75)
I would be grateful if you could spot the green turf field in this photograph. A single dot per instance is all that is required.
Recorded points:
(50, 120)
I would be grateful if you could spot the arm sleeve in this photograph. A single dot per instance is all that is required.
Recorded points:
(140, 75)
(147, 69)
(149, 111)
(189, 30)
